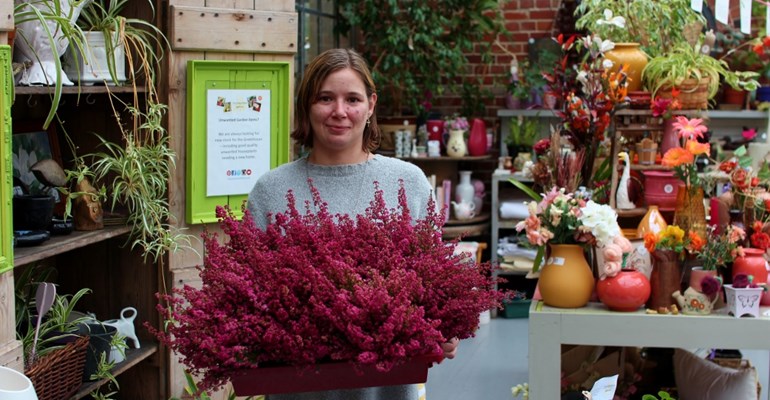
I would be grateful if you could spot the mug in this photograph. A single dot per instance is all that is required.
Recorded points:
(434, 148)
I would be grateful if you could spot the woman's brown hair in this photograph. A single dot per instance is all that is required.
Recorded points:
(322, 66)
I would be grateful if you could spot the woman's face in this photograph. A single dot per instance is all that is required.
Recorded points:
(339, 112)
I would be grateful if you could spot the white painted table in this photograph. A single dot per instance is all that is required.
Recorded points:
(551, 327)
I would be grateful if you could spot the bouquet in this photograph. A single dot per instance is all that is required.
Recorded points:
(670, 238)
(716, 249)
(563, 218)
(682, 159)
(458, 123)
(373, 290)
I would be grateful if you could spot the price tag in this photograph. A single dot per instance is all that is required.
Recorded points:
(722, 10)
(555, 261)
(746, 16)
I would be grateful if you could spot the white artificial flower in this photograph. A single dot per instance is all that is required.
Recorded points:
(609, 19)
(601, 219)
(607, 63)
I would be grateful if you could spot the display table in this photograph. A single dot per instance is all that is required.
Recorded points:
(550, 327)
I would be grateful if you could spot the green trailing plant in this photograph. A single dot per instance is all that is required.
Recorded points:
(59, 322)
(104, 369)
(420, 50)
(142, 41)
(138, 170)
(688, 62)
(48, 14)
(658, 25)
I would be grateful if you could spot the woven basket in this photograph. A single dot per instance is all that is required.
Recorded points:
(59, 374)
(694, 94)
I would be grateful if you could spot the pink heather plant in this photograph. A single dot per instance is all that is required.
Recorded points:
(373, 290)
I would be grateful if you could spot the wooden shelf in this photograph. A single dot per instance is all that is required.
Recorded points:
(62, 244)
(447, 158)
(711, 114)
(467, 230)
(78, 89)
(634, 212)
(652, 167)
(133, 357)
(479, 218)
(537, 112)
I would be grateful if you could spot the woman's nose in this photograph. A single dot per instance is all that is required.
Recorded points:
(339, 109)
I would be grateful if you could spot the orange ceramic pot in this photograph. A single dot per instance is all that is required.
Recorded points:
(566, 280)
(752, 263)
(626, 291)
(631, 55)
(652, 221)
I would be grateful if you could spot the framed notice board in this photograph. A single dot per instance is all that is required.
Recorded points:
(6, 168)
(237, 129)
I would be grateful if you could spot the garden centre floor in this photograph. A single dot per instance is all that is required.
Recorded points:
(488, 365)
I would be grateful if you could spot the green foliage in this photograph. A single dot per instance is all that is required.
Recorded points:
(523, 132)
(687, 62)
(663, 396)
(138, 171)
(48, 13)
(143, 42)
(658, 25)
(419, 49)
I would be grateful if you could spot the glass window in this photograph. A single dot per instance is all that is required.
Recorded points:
(316, 31)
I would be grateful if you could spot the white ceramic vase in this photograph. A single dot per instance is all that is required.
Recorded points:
(464, 191)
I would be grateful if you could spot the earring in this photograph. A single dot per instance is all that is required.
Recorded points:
(368, 121)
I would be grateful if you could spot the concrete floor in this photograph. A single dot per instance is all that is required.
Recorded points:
(489, 365)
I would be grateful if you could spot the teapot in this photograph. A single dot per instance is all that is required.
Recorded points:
(464, 210)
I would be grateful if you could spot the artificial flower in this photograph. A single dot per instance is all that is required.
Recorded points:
(677, 156)
(719, 248)
(691, 129)
(609, 19)
(749, 134)
(697, 148)
(601, 220)
(696, 242)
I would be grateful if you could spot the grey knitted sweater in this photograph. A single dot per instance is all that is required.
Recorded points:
(346, 189)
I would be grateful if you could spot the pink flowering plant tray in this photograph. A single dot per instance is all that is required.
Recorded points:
(373, 290)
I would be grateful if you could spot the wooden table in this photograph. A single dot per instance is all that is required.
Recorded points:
(550, 327)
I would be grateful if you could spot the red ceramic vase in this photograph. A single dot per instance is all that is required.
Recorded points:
(752, 263)
(626, 291)
(435, 130)
(477, 140)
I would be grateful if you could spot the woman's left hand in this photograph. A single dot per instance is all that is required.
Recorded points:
(450, 348)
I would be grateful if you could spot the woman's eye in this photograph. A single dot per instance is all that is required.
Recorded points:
(324, 98)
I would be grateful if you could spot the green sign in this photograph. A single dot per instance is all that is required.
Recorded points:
(6, 184)
(237, 129)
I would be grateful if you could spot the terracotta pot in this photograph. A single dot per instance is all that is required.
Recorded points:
(566, 280)
(733, 96)
(665, 279)
(670, 139)
(652, 221)
(626, 291)
(631, 55)
(660, 189)
(752, 263)
(696, 277)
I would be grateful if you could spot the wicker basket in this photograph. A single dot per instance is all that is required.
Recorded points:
(59, 374)
(694, 94)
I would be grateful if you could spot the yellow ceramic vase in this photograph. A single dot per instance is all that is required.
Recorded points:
(630, 54)
(566, 280)
(652, 221)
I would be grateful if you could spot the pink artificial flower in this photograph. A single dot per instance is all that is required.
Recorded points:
(625, 244)
(610, 269)
(736, 234)
(660, 106)
(749, 134)
(612, 253)
(691, 129)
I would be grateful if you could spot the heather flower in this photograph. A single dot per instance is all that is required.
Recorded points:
(311, 287)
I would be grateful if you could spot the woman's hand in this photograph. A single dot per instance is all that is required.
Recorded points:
(450, 348)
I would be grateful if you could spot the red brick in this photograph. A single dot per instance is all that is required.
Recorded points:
(542, 14)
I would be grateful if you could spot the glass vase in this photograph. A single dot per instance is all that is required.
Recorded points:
(690, 213)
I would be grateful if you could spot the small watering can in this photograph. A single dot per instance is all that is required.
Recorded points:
(125, 325)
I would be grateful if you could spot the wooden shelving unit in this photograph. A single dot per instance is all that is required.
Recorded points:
(133, 357)
(62, 244)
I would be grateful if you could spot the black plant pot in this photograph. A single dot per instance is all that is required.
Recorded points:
(32, 212)
(99, 343)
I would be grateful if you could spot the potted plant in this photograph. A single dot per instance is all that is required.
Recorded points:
(39, 23)
(658, 25)
(106, 32)
(420, 50)
(522, 135)
(695, 74)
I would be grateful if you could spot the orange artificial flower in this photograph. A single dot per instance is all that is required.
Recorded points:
(650, 241)
(697, 148)
(696, 242)
(677, 156)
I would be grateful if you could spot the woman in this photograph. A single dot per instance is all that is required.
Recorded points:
(335, 118)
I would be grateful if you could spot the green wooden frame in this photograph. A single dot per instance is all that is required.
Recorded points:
(203, 75)
(6, 168)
